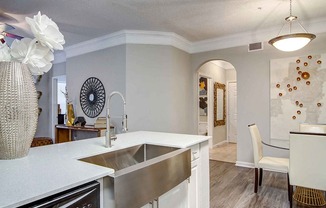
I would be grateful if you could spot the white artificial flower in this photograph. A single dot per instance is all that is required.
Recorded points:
(36, 56)
(46, 31)
(36, 53)
(4, 52)
(19, 48)
(36, 69)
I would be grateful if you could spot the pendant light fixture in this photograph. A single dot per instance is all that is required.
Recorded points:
(291, 41)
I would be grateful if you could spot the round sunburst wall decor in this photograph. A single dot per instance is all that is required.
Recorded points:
(92, 97)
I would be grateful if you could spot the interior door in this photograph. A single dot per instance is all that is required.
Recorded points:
(232, 112)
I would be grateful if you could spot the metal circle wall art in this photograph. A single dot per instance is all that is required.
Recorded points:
(305, 75)
(92, 97)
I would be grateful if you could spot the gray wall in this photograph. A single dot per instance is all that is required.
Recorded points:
(253, 87)
(108, 65)
(58, 70)
(155, 80)
(43, 129)
(45, 126)
(159, 89)
(160, 84)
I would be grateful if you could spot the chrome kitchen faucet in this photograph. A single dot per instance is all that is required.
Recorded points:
(109, 136)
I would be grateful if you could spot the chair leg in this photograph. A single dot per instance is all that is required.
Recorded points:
(256, 180)
(290, 190)
(260, 176)
(291, 193)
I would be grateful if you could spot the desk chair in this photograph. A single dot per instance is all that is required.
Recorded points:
(271, 163)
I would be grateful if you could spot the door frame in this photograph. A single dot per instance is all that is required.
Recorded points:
(54, 102)
(227, 110)
(54, 110)
(210, 107)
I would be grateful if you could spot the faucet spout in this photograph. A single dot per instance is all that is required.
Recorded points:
(109, 136)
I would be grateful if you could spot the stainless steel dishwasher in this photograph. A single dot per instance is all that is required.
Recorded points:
(85, 196)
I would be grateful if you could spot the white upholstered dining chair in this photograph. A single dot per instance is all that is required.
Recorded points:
(308, 164)
(268, 163)
(315, 128)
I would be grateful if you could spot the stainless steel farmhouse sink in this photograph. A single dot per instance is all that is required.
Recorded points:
(142, 173)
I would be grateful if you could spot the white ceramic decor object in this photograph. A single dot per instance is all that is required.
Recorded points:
(18, 107)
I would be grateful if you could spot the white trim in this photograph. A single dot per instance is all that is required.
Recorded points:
(209, 113)
(227, 111)
(54, 104)
(220, 143)
(129, 37)
(172, 39)
(245, 164)
(107, 41)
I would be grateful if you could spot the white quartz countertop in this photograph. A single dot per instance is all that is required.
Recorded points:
(50, 169)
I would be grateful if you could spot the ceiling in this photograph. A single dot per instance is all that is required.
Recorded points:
(195, 20)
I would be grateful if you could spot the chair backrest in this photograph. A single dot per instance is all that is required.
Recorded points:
(316, 128)
(308, 160)
(256, 143)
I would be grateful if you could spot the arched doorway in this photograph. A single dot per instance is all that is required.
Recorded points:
(217, 108)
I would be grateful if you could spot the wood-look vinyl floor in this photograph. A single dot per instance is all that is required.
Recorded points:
(233, 187)
(226, 152)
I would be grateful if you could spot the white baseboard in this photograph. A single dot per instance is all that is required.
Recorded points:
(220, 143)
(244, 164)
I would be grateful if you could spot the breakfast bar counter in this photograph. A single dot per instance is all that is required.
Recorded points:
(51, 169)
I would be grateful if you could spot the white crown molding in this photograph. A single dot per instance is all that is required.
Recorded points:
(129, 37)
(168, 38)
(157, 38)
(107, 41)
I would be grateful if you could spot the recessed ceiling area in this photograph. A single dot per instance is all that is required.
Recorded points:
(195, 20)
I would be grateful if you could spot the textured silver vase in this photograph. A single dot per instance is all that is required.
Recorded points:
(18, 110)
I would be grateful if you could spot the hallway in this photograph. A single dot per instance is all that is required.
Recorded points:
(226, 152)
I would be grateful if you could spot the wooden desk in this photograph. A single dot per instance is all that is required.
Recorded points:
(65, 133)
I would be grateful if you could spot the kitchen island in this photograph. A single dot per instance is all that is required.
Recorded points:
(51, 169)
